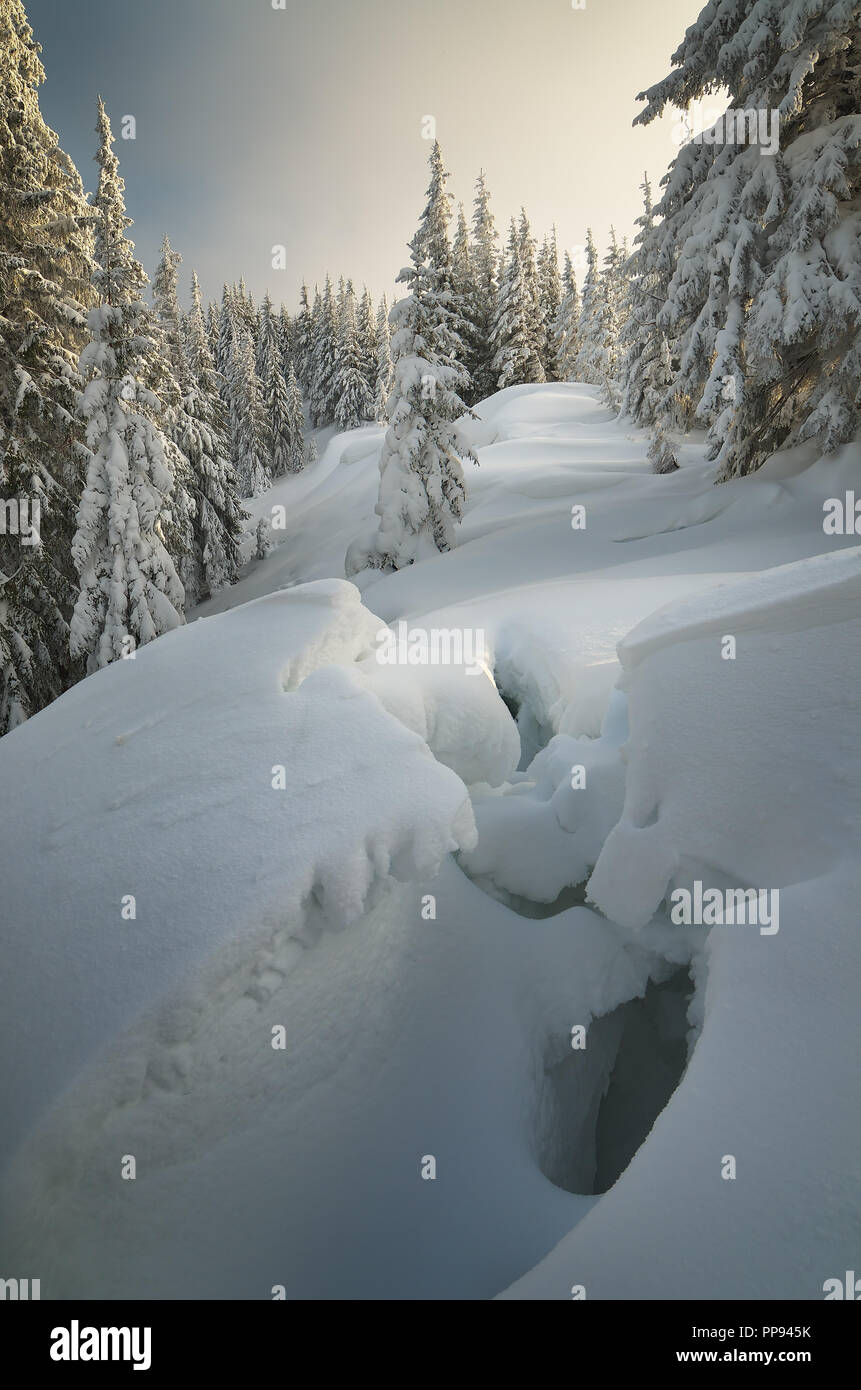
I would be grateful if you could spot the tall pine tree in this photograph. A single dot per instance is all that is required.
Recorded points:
(168, 379)
(129, 589)
(646, 367)
(366, 330)
(354, 401)
(248, 431)
(302, 342)
(273, 389)
(422, 489)
(324, 358)
(385, 369)
(567, 324)
(295, 423)
(285, 338)
(463, 287)
(228, 330)
(218, 515)
(550, 299)
(515, 358)
(609, 319)
(45, 271)
(485, 260)
(534, 316)
(591, 364)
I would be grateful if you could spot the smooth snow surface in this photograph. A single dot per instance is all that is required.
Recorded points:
(428, 902)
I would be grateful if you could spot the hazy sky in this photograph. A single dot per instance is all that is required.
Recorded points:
(303, 126)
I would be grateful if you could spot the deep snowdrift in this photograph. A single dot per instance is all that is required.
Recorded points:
(436, 1020)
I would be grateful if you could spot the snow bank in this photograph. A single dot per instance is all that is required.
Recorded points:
(761, 739)
(222, 781)
(743, 772)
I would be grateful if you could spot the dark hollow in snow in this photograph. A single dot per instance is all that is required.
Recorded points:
(533, 734)
(598, 1104)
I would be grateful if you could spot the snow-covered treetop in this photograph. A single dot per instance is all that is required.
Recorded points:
(119, 278)
(761, 51)
(437, 215)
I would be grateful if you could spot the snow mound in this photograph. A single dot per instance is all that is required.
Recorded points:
(545, 834)
(221, 780)
(789, 625)
(458, 712)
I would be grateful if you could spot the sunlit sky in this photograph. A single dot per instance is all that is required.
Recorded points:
(304, 126)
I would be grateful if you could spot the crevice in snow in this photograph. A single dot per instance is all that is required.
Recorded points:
(534, 735)
(573, 896)
(598, 1104)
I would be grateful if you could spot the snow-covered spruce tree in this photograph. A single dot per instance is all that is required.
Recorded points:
(295, 423)
(422, 488)
(302, 342)
(354, 401)
(285, 338)
(535, 318)
(764, 299)
(385, 369)
(646, 369)
(592, 364)
(567, 323)
(45, 271)
(550, 299)
(485, 291)
(463, 286)
(314, 339)
(274, 395)
(167, 378)
(366, 330)
(512, 337)
(461, 255)
(436, 221)
(501, 265)
(328, 378)
(267, 333)
(218, 516)
(267, 356)
(184, 332)
(228, 330)
(247, 313)
(247, 421)
(609, 318)
(165, 299)
(212, 330)
(324, 359)
(129, 589)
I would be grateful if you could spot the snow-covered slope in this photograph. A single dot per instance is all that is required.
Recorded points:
(408, 902)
